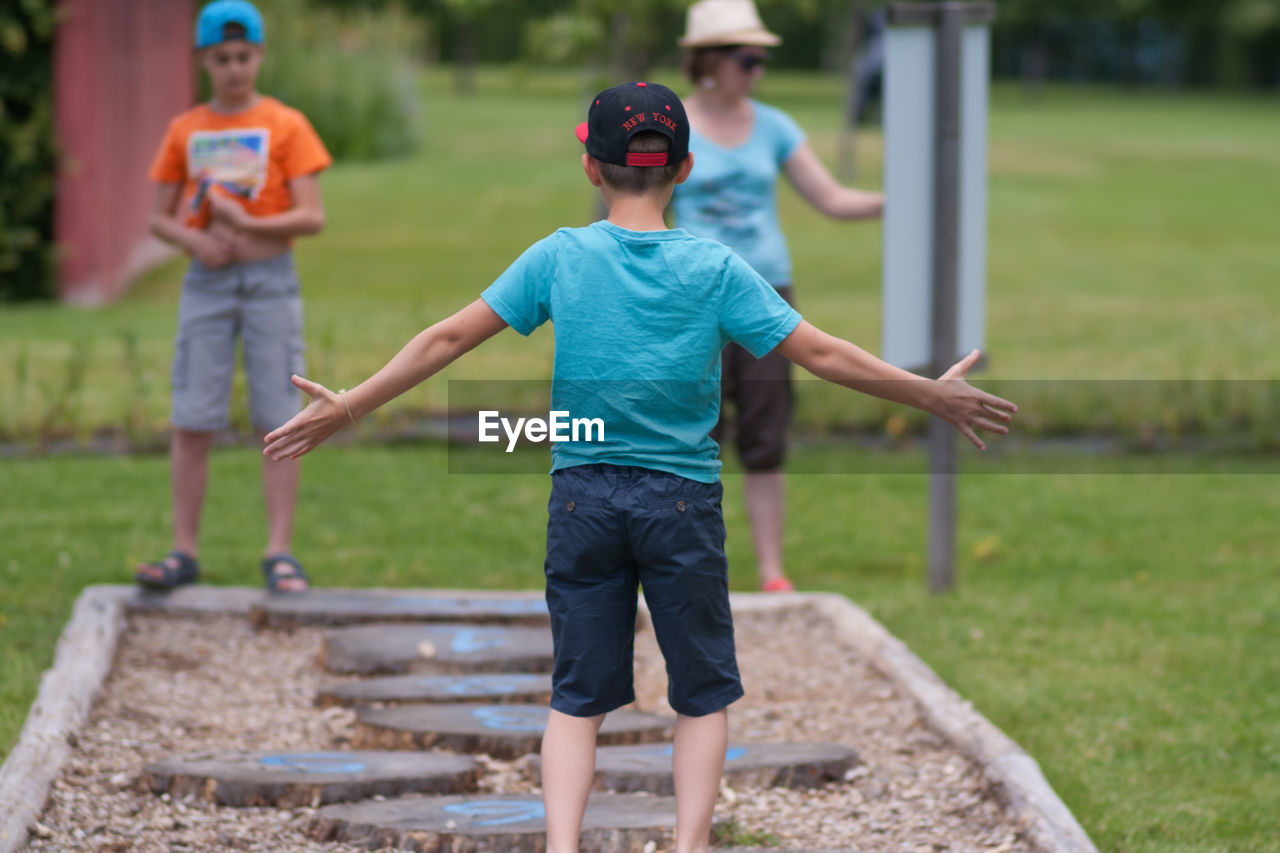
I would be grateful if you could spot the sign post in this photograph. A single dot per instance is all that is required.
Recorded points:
(936, 79)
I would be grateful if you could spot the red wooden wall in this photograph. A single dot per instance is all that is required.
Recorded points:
(122, 69)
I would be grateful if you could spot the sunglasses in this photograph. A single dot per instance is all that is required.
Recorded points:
(749, 62)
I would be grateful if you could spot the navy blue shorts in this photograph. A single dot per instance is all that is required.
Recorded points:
(610, 529)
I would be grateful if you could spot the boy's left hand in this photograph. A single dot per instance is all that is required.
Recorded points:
(322, 417)
(968, 408)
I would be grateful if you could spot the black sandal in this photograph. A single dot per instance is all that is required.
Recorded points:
(274, 576)
(177, 568)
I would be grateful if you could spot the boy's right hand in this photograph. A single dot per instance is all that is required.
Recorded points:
(322, 417)
(210, 250)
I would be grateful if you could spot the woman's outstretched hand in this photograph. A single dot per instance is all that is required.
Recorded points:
(322, 417)
(968, 408)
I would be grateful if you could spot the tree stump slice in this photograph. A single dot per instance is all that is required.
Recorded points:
(502, 731)
(627, 769)
(436, 649)
(293, 779)
(194, 601)
(497, 823)
(348, 607)
(520, 687)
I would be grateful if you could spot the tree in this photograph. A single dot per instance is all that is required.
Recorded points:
(464, 14)
(624, 37)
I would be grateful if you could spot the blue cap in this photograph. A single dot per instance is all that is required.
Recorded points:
(214, 17)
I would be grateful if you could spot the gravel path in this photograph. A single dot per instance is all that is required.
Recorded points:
(184, 686)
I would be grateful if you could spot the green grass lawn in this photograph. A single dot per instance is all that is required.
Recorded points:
(1124, 628)
(1131, 236)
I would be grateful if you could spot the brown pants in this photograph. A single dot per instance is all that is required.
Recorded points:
(759, 390)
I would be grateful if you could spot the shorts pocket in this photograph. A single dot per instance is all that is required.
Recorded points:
(181, 364)
(276, 280)
(297, 363)
(584, 541)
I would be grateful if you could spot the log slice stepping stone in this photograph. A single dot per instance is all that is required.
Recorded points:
(292, 779)
(754, 765)
(485, 687)
(194, 601)
(502, 731)
(436, 649)
(349, 607)
(510, 823)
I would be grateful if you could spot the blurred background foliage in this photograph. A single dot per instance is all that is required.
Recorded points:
(1233, 43)
(351, 72)
(349, 65)
(26, 148)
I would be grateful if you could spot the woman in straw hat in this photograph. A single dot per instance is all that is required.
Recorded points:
(741, 146)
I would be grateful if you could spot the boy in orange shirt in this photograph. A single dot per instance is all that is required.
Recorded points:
(237, 182)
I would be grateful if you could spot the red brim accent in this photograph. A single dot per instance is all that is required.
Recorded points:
(581, 133)
(658, 158)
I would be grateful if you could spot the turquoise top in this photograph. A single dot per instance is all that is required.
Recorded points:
(640, 318)
(732, 194)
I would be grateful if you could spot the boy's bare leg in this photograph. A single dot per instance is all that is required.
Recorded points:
(765, 497)
(280, 493)
(698, 764)
(188, 478)
(568, 769)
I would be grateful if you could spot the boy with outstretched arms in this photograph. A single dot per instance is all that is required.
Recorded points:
(237, 181)
(641, 314)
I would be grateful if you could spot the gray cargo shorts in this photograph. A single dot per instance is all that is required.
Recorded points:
(258, 301)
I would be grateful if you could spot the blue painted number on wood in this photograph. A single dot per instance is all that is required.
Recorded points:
(476, 639)
(733, 753)
(489, 684)
(314, 762)
(499, 811)
(511, 719)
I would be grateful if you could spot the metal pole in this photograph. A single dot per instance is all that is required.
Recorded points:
(849, 131)
(946, 229)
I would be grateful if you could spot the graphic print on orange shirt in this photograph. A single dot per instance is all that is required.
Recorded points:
(233, 160)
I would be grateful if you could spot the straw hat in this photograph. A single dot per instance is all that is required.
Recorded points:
(712, 23)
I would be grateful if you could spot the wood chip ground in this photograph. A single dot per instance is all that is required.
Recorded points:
(182, 686)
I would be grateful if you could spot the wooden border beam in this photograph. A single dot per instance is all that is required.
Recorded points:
(68, 690)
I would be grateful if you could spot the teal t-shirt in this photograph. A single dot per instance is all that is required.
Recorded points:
(640, 318)
(732, 194)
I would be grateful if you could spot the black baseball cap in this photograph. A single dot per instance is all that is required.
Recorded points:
(620, 113)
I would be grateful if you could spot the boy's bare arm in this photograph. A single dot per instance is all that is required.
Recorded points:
(429, 352)
(949, 397)
(209, 249)
(305, 217)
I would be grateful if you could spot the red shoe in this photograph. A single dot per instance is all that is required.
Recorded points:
(778, 585)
